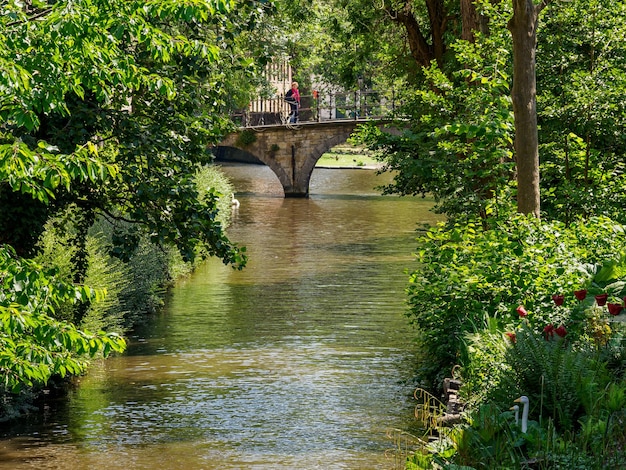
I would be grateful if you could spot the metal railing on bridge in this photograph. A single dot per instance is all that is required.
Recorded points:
(318, 107)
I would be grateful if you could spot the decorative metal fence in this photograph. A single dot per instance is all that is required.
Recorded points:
(318, 107)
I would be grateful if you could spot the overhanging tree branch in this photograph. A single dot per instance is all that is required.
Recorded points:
(30, 18)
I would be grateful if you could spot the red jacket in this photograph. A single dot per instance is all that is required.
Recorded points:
(293, 94)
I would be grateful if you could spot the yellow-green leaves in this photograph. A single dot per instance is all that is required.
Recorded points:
(34, 345)
(39, 172)
(187, 10)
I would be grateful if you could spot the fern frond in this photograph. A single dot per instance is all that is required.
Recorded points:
(552, 374)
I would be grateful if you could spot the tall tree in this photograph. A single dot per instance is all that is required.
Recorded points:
(426, 44)
(469, 20)
(523, 28)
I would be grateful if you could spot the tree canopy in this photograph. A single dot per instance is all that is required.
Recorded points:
(435, 53)
(109, 107)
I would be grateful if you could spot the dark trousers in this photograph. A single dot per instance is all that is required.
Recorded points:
(293, 115)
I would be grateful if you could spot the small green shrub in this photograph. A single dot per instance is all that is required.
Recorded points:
(135, 288)
(111, 275)
(213, 183)
(245, 138)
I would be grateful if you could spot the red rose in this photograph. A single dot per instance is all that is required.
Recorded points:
(580, 294)
(561, 331)
(521, 311)
(615, 309)
(512, 337)
(548, 331)
(601, 299)
(558, 299)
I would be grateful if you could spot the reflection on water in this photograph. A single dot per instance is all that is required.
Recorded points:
(298, 361)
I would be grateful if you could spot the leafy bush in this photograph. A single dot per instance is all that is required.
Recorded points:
(466, 273)
(33, 344)
(245, 138)
(484, 363)
(577, 407)
(565, 352)
(578, 179)
(135, 287)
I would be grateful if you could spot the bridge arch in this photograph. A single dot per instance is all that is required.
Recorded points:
(250, 157)
(317, 152)
(292, 151)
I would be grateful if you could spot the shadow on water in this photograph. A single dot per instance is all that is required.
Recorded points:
(301, 360)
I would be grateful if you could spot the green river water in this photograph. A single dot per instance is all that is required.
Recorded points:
(301, 361)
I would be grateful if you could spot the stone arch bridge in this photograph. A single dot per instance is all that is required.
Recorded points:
(292, 150)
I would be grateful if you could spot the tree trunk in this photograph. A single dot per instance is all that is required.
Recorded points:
(422, 51)
(523, 28)
(469, 20)
(438, 22)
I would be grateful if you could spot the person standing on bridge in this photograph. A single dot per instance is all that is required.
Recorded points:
(293, 98)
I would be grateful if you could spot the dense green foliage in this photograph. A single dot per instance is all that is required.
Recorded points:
(454, 111)
(34, 345)
(581, 78)
(458, 147)
(483, 265)
(108, 110)
(467, 274)
(515, 306)
(129, 91)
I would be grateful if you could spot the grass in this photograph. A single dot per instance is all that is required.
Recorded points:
(347, 156)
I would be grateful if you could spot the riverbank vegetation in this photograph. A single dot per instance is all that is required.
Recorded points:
(107, 114)
(529, 308)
